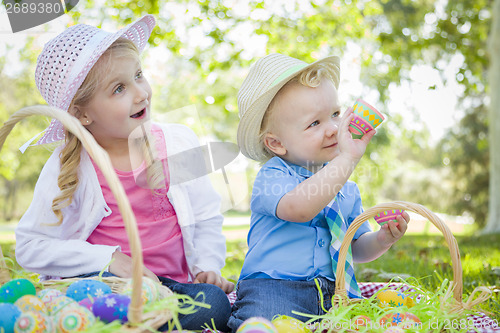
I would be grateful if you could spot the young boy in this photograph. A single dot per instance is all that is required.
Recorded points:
(290, 117)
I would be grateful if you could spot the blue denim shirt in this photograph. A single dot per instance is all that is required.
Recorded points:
(279, 249)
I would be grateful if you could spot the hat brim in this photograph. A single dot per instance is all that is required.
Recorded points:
(133, 31)
(248, 134)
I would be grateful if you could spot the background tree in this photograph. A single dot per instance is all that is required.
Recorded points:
(494, 117)
(204, 49)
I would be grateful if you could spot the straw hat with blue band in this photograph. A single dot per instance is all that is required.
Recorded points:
(266, 77)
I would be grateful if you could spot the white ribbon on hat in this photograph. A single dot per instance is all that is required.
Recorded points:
(28, 143)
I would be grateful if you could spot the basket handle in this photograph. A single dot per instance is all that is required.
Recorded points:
(340, 296)
(101, 157)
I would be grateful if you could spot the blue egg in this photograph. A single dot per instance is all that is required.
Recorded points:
(111, 307)
(8, 316)
(82, 289)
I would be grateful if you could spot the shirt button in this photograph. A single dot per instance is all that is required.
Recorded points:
(321, 243)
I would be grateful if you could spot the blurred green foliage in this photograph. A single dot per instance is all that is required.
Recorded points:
(393, 35)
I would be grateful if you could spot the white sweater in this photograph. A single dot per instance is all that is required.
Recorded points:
(63, 251)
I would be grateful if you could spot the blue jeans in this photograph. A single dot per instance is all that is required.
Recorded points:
(269, 297)
(214, 296)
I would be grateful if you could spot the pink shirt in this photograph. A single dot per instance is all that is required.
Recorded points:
(160, 234)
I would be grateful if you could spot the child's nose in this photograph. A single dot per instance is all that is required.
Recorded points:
(333, 127)
(142, 94)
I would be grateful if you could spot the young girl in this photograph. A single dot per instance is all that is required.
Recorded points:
(290, 119)
(73, 226)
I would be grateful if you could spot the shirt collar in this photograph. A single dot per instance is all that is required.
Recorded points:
(304, 173)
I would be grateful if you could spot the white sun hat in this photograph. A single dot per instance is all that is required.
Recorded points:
(65, 61)
(266, 77)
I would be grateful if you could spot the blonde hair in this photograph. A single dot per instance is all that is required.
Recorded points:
(71, 152)
(311, 77)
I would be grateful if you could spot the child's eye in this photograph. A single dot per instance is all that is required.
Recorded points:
(336, 114)
(138, 75)
(315, 123)
(119, 89)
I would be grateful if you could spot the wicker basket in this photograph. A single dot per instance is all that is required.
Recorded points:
(138, 321)
(341, 299)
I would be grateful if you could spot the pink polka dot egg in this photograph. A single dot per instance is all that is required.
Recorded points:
(256, 325)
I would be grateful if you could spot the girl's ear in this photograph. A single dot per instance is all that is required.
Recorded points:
(80, 115)
(273, 143)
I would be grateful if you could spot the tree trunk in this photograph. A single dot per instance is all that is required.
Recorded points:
(493, 225)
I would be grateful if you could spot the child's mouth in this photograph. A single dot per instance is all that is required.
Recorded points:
(139, 114)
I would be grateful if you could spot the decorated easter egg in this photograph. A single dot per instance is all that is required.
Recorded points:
(31, 303)
(33, 322)
(87, 288)
(388, 215)
(111, 307)
(59, 303)
(150, 292)
(14, 289)
(87, 303)
(256, 325)
(360, 321)
(47, 295)
(393, 298)
(405, 320)
(286, 324)
(74, 319)
(411, 321)
(8, 316)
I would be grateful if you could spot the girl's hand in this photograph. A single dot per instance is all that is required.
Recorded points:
(392, 231)
(215, 279)
(352, 148)
(122, 267)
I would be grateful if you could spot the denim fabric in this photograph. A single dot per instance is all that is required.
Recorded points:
(220, 306)
(219, 311)
(269, 297)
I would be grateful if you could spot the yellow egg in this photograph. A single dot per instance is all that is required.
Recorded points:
(392, 298)
(286, 324)
(31, 303)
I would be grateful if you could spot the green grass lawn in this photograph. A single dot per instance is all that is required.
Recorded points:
(425, 257)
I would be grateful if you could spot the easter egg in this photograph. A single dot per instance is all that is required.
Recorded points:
(405, 320)
(87, 288)
(8, 316)
(59, 303)
(74, 319)
(286, 324)
(31, 303)
(111, 307)
(14, 289)
(150, 292)
(87, 303)
(388, 215)
(33, 322)
(360, 321)
(47, 295)
(256, 325)
(394, 329)
(392, 299)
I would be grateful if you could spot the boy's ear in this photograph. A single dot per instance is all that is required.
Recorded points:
(273, 143)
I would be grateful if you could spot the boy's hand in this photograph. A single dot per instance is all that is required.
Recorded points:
(392, 231)
(353, 148)
(215, 279)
